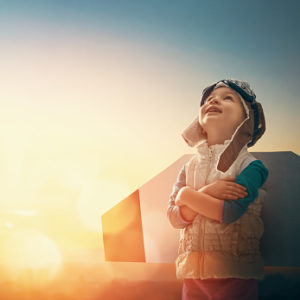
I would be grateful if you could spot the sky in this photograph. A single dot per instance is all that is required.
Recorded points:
(95, 95)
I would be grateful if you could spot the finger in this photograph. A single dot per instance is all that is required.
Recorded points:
(236, 186)
(241, 195)
(238, 193)
(241, 186)
(231, 197)
(229, 178)
(240, 189)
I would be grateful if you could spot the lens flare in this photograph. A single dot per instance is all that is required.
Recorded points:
(29, 252)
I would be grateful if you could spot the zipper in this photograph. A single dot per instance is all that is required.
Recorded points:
(210, 155)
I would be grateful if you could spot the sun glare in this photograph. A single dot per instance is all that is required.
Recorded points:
(30, 251)
(96, 197)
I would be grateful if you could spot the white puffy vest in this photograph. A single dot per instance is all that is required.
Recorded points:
(210, 249)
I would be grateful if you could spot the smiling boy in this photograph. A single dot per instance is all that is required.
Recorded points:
(216, 201)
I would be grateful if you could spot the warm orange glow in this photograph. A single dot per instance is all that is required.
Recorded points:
(29, 252)
(126, 217)
(96, 197)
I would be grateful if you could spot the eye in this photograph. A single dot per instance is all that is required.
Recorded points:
(228, 97)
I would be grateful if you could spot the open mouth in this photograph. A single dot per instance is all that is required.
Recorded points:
(213, 109)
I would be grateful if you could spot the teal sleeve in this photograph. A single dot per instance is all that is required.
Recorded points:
(252, 177)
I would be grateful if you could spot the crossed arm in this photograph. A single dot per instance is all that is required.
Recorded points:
(185, 203)
(192, 202)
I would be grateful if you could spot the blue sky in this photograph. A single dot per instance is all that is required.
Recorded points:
(264, 32)
(95, 94)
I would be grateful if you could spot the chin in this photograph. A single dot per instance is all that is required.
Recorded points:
(212, 120)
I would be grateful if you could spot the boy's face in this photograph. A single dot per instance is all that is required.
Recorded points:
(230, 109)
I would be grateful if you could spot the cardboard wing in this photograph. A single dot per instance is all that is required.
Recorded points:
(137, 229)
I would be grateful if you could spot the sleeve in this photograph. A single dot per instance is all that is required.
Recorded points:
(173, 212)
(252, 177)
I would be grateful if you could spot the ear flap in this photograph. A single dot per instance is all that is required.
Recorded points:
(241, 138)
(193, 133)
(261, 125)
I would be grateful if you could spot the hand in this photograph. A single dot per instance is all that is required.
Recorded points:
(182, 195)
(225, 189)
(187, 213)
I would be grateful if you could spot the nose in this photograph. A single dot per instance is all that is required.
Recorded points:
(213, 100)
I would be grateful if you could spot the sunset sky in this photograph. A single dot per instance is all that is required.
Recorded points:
(95, 94)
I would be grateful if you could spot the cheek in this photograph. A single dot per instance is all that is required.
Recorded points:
(242, 112)
(201, 114)
(240, 115)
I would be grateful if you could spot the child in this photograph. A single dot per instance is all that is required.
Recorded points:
(216, 201)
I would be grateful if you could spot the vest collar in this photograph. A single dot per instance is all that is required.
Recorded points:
(203, 147)
(213, 153)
